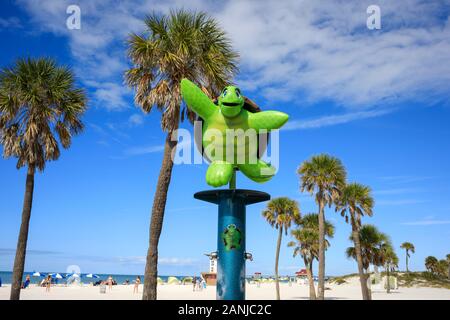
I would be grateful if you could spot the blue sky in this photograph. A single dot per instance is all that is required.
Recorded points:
(377, 99)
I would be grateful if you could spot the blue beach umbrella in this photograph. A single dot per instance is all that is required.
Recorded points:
(90, 275)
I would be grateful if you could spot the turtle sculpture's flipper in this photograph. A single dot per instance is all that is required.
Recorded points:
(197, 100)
(219, 173)
(267, 120)
(259, 172)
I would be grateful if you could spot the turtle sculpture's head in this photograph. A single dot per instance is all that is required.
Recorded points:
(231, 101)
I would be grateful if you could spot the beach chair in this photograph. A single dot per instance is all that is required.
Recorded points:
(375, 283)
(187, 280)
(173, 280)
(393, 283)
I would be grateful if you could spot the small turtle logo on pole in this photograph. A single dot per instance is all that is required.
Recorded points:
(232, 237)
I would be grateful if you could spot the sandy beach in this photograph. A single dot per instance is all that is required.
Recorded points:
(348, 291)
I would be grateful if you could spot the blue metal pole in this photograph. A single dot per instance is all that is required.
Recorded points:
(231, 248)
(231, 238)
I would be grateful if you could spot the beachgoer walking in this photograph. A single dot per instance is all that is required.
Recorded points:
(136, 284)
(194, 283)
(110, 282)
(48, 283)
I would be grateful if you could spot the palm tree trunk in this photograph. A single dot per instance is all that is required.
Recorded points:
(19, 261)
(449, 270)
(277, 257)
(321, 285)
(362, 276)
(388, 283)
(407, 270)
(156, 223)
(309, 274)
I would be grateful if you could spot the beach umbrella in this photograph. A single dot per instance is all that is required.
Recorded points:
(36, 274)
(56, 276)
(90, 275)
(74, 275)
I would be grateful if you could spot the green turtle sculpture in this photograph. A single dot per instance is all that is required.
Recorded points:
(229, 114)
(232, 237)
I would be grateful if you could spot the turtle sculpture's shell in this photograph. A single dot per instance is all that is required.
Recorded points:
(250, 106)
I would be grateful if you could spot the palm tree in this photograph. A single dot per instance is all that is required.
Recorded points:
(281, 213)
(390, 261)
(370, 240)
(448, 261)
(39, 103)
(431, 264)
(356, 200)
(442, 267)
(307, 244)
(323, 176)
(179, 45)
(409, 247)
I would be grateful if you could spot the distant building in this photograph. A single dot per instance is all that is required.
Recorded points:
(211, 276)
(213, 265)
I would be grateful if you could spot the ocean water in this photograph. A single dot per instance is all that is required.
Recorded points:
(6, 277)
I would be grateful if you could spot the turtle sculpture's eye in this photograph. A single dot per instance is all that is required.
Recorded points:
(224, 93)
(238, 93)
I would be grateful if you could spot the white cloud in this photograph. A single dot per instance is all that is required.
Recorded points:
(299, 51)
(331, 120)
(135, 120)
(177, 261)
(427, 222)
(399, 202)
(322, 50)
(136, 151)
(110, 95)
(10, 23)
(172, 261)
(404, 179)
(397, 191)
(142, 150)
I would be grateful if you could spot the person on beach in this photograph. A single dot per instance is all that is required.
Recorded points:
(48, 283)
(136, 284)
(200, 284)
(110, 282)
(194, 283)
(26, 283)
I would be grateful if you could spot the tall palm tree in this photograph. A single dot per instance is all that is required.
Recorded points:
(370, 239)
(180, 45)
(323, 176)
(307, 244)
(39, 104)
(281, 213)
(356, 200)
(409, 247)
(431, 264)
